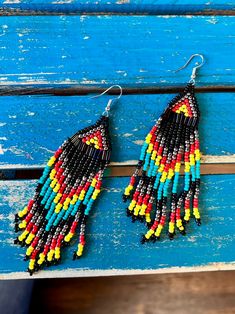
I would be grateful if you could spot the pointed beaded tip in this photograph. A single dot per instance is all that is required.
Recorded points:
(198, 221)
(128, 212)
(171, 236)
(75, 256)
(143, 239)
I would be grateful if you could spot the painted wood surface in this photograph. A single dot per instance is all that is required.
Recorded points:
(33, 127)
(129, 50)
(113, 242)
(117, 6)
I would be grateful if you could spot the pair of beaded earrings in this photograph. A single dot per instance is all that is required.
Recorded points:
(72, 180)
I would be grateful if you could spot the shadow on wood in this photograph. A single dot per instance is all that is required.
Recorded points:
(194, 293)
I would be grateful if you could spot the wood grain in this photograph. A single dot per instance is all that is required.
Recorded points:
(116, 7)
(113, 242)
(200, 293)
(136, 50)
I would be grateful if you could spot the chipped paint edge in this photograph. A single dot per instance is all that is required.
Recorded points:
(73, 273)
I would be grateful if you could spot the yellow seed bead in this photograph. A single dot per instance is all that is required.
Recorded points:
(132, 205)
(80, 249)
(148, 138)
(171, 227)
(52, 174)
(23, 224)
(23, 235)
(57, 252)
(29, 238)
(41, 259)
(196, 213)
(159, 230)
(154, 154)
(58, 208)
(53, 183)
(67, 201)
(68, 237)
(51, 161)
(149, 233)
(161, 168)
(170, 176)
(75, 197)
(92, 140)
(178, 223)
(50, 255)
(23, 212)
(93, 183)
(147, 218)
(136, 210)
(29, 250)
(56, 188)
(143, 208)
(31, 264)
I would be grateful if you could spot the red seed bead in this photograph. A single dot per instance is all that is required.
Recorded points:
(28, 217)
(34, 254)
(46, 249)
(35, 241)
(30, 204)
(82, 239)
(29, 226)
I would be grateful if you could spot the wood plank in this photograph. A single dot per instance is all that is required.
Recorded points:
(210, 293)
(32, 127)
(136, 50)
(116, 7)
(113, 245)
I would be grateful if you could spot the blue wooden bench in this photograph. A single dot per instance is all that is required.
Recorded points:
(53, 56)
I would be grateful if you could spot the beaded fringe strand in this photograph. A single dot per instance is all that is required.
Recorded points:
(65, 193)
(172, 142)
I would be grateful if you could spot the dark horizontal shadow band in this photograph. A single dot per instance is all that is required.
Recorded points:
(112, 171)
(116, 9)
(12, 90)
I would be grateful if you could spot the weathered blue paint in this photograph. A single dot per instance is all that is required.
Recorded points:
(116, 6)
(32, 127)
(129, 50)
(113, 241)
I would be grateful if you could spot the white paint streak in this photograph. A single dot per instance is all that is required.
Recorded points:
(139, 142)
(11, 1)
(127, 135)
(1, 150)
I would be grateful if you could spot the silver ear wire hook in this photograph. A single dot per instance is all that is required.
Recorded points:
(107, 108)
(194, 71)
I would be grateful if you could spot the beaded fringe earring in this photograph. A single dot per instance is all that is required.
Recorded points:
(65, 193)
(173, 141)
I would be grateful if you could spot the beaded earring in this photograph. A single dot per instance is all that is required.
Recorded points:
(65, 193)
(172, 142)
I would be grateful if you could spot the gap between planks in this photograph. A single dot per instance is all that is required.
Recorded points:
(159, 10)
(69, 90)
